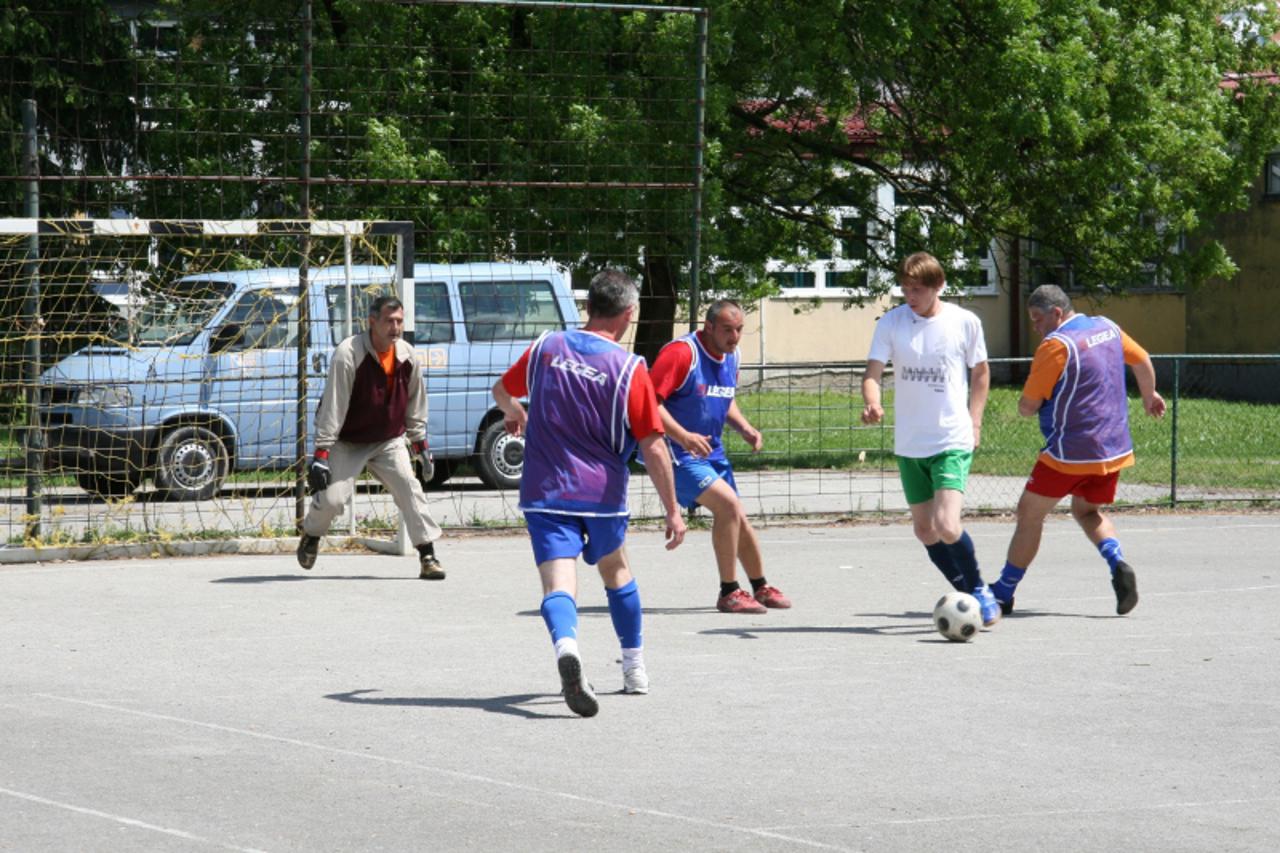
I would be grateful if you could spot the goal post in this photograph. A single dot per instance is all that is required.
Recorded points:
(149, 364)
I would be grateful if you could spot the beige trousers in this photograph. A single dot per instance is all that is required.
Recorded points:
(388, 461)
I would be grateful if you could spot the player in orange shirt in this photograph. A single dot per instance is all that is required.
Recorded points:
(1077, 387)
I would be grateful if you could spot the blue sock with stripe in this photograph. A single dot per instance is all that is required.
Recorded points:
(1110, 551)
(1009, 577)
(560, 612)
(624, 610)
(940, 554)
(966, 560)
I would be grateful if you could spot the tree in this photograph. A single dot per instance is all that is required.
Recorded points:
(67, 56)
(1101, 130)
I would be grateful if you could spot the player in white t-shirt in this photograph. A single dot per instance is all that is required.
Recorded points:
(941, 380)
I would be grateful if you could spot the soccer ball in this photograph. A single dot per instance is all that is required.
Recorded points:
(957, 616)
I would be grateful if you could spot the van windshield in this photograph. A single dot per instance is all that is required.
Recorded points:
(173, 315)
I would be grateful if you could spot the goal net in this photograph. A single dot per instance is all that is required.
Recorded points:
(159, 378)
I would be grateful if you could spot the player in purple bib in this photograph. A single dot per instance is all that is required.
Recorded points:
(590, 404)
(696, 380)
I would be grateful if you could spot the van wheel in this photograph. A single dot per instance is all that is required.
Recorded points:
(501, 458)
(116, 484)
(191, 464)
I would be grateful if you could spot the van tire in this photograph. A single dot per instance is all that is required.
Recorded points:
(501, 458)
(190, 464)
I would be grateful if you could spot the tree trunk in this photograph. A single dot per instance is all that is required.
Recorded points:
(659, 298)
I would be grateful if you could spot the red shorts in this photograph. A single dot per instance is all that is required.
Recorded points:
(1052, 483)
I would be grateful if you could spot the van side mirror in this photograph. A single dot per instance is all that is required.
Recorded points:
(226, 338)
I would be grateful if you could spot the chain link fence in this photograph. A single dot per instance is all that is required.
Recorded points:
(1215, 446)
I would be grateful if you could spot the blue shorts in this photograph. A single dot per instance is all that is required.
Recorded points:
(557, 536)
(697, 475)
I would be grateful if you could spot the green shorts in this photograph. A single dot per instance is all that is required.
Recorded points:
(922, 477)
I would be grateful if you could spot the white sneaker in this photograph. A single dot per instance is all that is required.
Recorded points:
(635, 679)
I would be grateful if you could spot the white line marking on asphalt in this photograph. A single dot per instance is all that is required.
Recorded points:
(1034, 815)
(127, 821)
(455, 774)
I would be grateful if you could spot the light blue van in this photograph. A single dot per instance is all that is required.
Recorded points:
(208, 382)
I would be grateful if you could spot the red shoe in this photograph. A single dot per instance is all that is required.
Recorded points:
(771, 596)
(739, 602)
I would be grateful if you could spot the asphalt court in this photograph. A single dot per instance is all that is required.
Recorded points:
(238, 703)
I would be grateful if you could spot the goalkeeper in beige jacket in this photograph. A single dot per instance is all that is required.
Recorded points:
(373, 400)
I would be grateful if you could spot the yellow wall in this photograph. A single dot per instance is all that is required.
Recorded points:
(1236, 316)
(795, 330)
(1157, 321)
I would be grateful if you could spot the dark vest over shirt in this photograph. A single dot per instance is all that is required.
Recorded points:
(377, 407)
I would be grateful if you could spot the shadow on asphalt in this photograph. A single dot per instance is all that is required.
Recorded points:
(290, 578)
(648, 611)
(495, 705)
(754, 633)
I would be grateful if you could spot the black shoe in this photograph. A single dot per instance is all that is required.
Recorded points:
(578, 694)
(1006, 607)
(308, 547)
(1125, 582)
(431, 570)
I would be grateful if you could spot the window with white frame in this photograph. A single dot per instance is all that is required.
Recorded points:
(842, 268)
(1049, 266)
(1271, 186)
(971, 270)
(156, 36)
(849, 265)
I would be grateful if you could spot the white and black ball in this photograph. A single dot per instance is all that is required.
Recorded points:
(958, 616)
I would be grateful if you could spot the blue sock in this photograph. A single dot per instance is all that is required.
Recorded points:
(1110, 551)
(560, 612)
(966, 560)
(624, 610)
(941, 556)
(1009, 577)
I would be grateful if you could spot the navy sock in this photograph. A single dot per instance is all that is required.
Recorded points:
(560, 612)
(940, 554)
(1110, 551)
(966, 560)
(1009, 577)
(624, 610)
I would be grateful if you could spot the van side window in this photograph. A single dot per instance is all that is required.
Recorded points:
(509, 310)
(362, 296)
(432, 319)
(267, 320)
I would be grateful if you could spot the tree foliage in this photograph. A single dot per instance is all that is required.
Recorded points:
(1103, 131)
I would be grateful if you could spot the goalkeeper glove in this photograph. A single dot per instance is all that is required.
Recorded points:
(318, 475)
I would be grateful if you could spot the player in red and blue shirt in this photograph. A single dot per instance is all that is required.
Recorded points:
(590, 404)
(696, 380)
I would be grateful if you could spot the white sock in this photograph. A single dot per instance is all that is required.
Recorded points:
(631, 658)
(567, 646)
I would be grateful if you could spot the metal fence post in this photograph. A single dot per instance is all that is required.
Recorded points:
(31, 317)
(699, 147)
(1173, 439)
